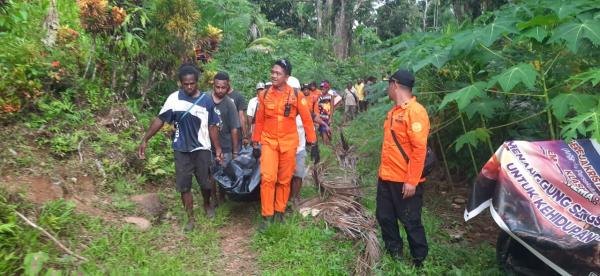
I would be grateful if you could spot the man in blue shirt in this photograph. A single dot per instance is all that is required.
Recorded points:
(196, 131)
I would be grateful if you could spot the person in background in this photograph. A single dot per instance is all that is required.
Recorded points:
(241, 105)
(196, 132)
(350, 102)
(300, 170)
(229, 125)
(369, 89)
(326, 110)
(360, 92)
(268, 85)
(276, 131)
(399, 194)
(252, 105)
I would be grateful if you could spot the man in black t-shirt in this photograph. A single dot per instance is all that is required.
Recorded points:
(229, 122)
(242, 105)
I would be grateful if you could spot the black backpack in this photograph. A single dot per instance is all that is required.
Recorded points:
(430, 158)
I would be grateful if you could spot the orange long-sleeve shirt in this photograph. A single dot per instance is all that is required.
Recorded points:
(410, 123)
(273, 128)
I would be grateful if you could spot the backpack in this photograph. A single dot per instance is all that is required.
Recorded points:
(430, 158)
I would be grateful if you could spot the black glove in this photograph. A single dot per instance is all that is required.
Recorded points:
(256, 153)
(314, 152)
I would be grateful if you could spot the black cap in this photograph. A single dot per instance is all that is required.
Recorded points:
(404, 77)
(222, 76)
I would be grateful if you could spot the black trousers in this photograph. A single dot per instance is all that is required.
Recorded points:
(391, 208)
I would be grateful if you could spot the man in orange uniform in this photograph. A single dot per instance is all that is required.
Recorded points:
(399, 194)
(275, 129)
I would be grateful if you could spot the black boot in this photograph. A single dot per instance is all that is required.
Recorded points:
(279, 217)
(265, 223)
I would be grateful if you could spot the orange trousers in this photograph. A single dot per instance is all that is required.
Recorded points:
(276, 170)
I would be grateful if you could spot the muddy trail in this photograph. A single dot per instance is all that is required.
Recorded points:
(237, 256)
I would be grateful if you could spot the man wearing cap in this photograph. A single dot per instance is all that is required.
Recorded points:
(399, 194)
(252, 105)
(276, 131)
(196, 132)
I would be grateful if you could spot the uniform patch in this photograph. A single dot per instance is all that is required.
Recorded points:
(416, 127)
(303, 101)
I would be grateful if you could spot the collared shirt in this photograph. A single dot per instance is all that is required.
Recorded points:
(275, 129)
(410, 124)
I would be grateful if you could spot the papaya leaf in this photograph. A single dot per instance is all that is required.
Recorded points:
(573, 33)
(565, 102)
(465, 41)
(472, 138)
(494, 30)
(538, 33)
(437, 58)
(592, 76)
(464, 96)
(521, 73)
(486, 107)
(564, 10)
(539, 21)
(34, 262)
(583, 125)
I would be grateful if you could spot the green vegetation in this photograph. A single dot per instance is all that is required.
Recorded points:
(75, 102)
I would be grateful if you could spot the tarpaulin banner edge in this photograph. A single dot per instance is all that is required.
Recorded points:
(475, 212)
(504, 227)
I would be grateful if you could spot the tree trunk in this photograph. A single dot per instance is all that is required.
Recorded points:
(319, 18)
(457, 9)
(341, 34)
(329, 16)
(475, 9)
(427, 3)
(51, 25)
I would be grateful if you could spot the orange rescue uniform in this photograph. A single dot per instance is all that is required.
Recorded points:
(410, 123)
(278, 135)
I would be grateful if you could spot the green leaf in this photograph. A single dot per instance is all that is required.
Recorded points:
(539, 21)
(159, 172)
(437, 58)
(537, 33)
(472, 138)
(34, 262)
(583, 125)
(592, 76)
(564, 10)
(565, 102)
(486, 107)
(465, 41)
(572, 33)
(464, 96)
(494, 30)
(521, 73)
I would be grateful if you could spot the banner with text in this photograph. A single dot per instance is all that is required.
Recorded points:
(546, 195)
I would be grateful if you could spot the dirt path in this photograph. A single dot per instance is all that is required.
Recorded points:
(237, 257)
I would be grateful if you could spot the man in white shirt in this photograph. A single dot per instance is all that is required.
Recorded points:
(252, 105)
(300, 170)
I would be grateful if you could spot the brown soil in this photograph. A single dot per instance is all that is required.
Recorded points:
(41, 189)
(237, 256)
(481, 229)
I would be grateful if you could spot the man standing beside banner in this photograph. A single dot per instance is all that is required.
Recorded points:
(399, 194)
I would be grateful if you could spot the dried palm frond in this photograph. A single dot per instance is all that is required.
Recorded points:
(340, 208)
